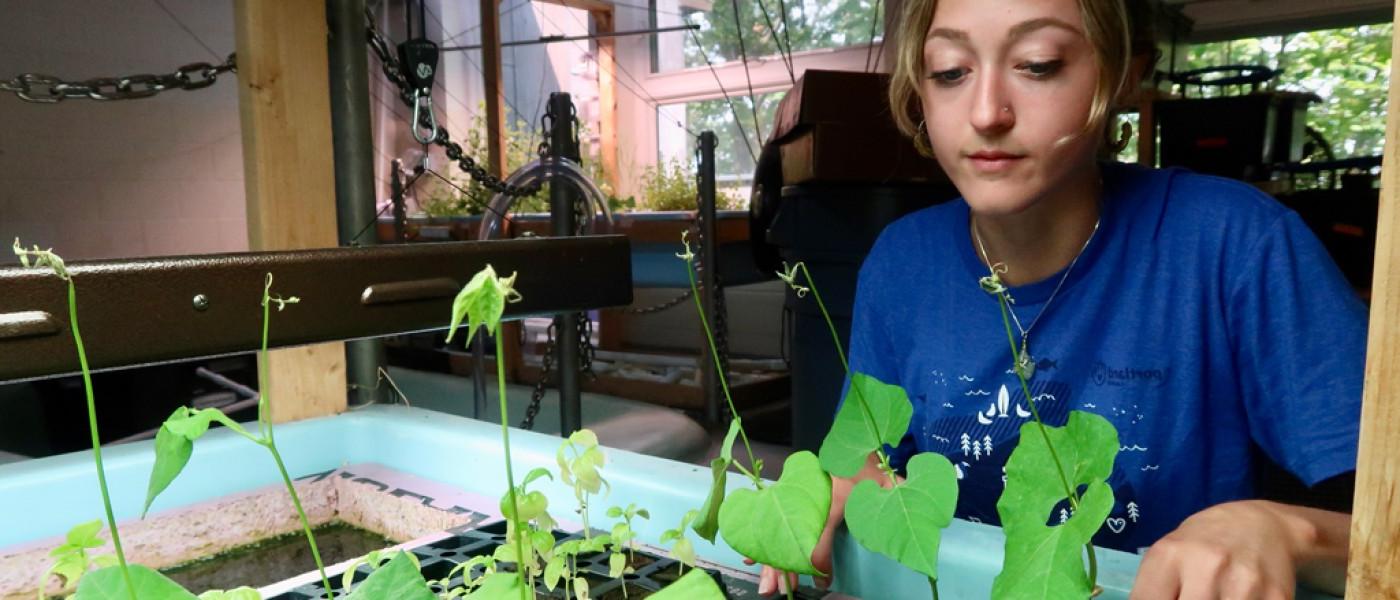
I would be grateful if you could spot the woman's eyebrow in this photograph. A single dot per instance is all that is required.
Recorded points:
(1016, 32)
(1024, 28)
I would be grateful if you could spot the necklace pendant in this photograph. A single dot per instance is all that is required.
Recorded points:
(1025, 365)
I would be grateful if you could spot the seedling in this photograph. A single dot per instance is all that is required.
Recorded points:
(71, 559)
(535, 518)
(622, 536)
(47, 259)
(1043, 561)
(777, 524)
(904, 521)
(482, 302)
(797, 505)
(579, 459)
(175, 440)
(682, 549)
(623, 554)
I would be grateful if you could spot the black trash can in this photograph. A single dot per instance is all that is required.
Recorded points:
(830, 228)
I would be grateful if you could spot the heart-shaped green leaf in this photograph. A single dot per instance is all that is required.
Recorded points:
(695, 585)
(873, 414)
(779, 524)
(149, 584)
(905, 523)
(497, 586)
(1048, 561)
(399, 579)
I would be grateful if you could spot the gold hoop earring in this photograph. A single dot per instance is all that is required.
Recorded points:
(1125, 135)
(921, 143)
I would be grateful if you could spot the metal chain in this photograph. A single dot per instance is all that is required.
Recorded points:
(663, 306)
(586, 354)
(45, 89)
(720, 318)
(389, 63)
(537, 396)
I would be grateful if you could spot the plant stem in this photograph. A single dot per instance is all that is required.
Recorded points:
(96, 439)
(933, 584)
(301, 514)
(1025, 389)
(265, 427)
(719, 368)
(510, 475)
(836, 341)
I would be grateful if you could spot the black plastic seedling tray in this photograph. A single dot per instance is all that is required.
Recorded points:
(652, 572)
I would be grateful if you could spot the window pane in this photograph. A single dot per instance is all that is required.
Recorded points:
(810, 24)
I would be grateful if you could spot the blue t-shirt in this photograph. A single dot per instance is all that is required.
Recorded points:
(1203, 317)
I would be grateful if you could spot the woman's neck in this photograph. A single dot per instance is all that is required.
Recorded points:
(1043, 239)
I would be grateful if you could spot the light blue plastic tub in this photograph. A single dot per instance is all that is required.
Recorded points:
(44, 497)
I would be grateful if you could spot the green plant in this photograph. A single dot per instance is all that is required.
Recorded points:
(670, 185)
(465, 196)
(175, 440)
(682, 549)
(623, 551)
(623, 536)
(904, 521)
(777, 524)
(1042, 561)
(71, 558)
(534, 517)
(580, 470)
(47, 259)
(482, 302)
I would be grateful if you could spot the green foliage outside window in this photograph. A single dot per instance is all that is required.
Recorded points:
(1349, 68)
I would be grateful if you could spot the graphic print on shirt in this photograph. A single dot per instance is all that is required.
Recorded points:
(979, 427)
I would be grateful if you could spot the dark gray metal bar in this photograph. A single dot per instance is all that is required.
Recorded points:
(136, 312)
(563, 141)
(709, 374)
(354, 167)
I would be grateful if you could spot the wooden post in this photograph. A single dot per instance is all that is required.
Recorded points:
(607, 96)
(284, 104)
(1374, 567)
(495, 97)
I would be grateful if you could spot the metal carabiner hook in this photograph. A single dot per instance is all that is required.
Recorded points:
(420, 101)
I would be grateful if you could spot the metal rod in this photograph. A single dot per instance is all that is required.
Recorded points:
(550, 39)
(564, 142)
(354, 167)
(709, 375)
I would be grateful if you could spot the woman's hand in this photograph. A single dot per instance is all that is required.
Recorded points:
(1248, 549)
(773, 581)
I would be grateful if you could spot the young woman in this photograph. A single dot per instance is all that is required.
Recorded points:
(1196, 314)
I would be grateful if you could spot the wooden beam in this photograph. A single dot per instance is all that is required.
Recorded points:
(495, 97)
(1374, 567)
(607, 96)
(289, 174)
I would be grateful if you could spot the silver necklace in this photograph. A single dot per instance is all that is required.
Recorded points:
(1024, 363)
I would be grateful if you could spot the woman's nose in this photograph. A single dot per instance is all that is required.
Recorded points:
(991, 108)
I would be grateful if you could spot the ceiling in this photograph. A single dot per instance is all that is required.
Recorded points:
(1232, 19)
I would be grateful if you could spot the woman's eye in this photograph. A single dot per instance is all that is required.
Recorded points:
(1041, 70)
(948, 76)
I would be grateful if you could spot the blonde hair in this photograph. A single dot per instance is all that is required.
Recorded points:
(1106, 25)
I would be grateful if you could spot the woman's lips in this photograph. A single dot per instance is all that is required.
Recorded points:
(994, 162)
